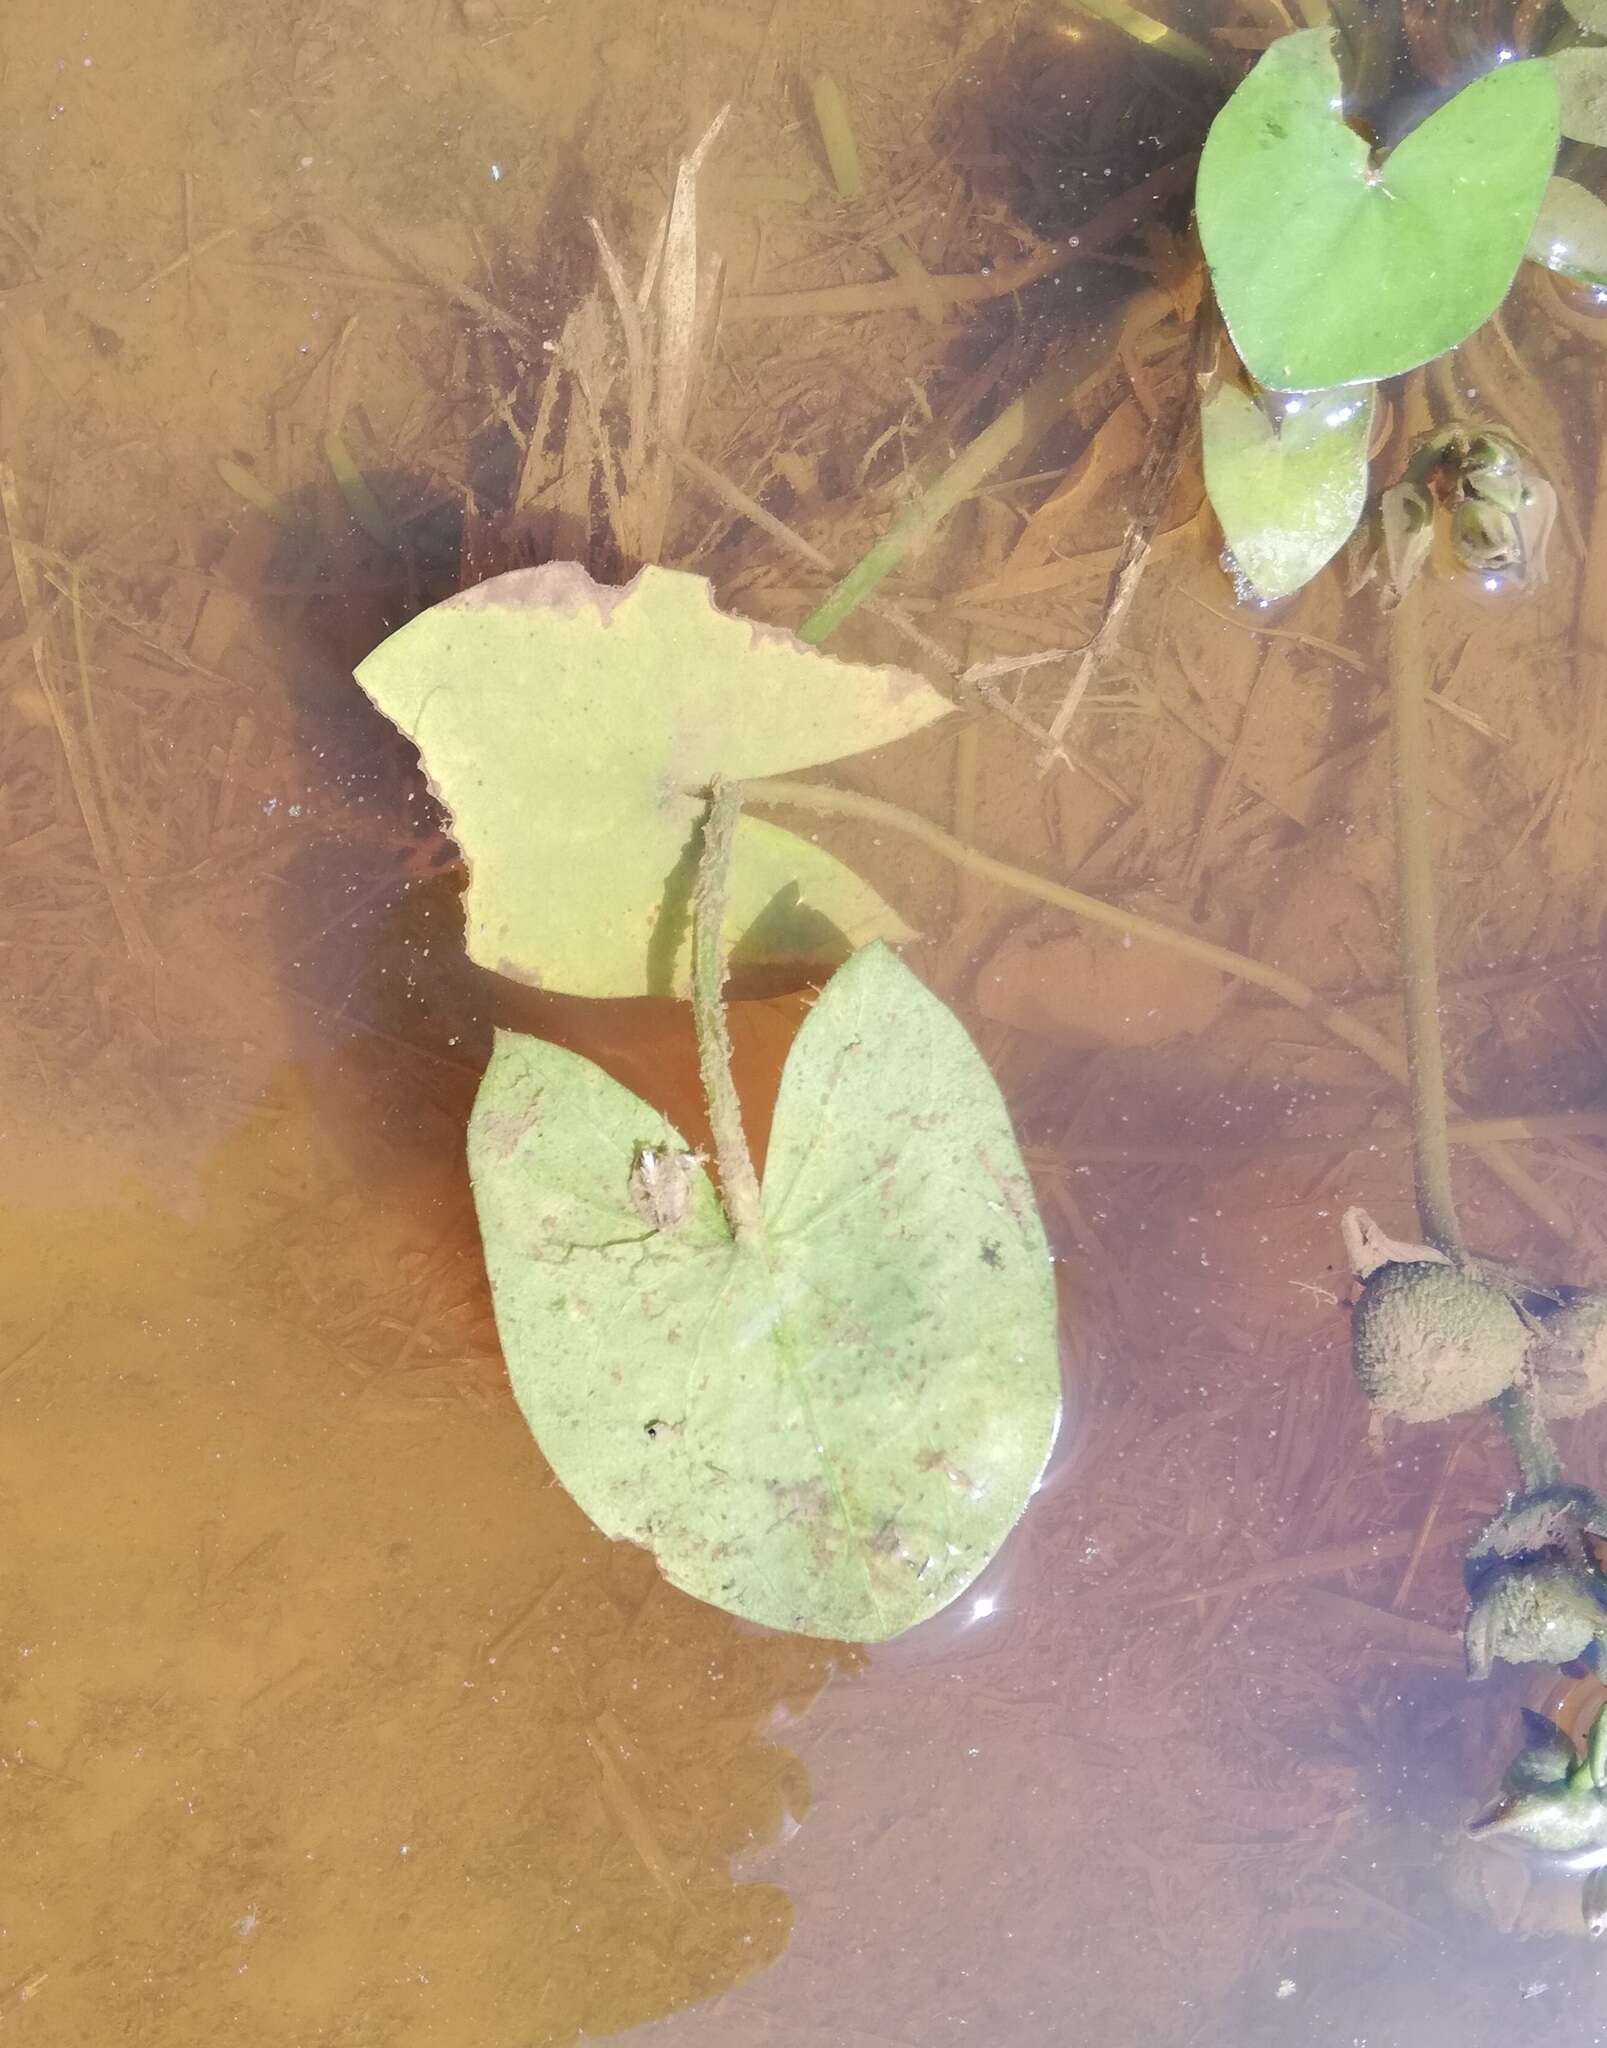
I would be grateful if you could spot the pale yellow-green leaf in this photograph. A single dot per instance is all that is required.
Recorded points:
(830, 1430)
(566, 726)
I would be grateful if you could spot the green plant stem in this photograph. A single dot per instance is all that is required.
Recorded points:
(739, 1184)
(364, 507)
(1596, 1748)
(1016, 429)
(847, 803)
(1420, 982)
(1528, 1438)
(837, 138)
(1153, 34)
(847, 174)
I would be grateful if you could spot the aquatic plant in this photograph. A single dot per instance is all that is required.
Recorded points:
(572, 730)
(1553, 1804)
(1438, 1330)
(823, 1398)
(1335, 268)
(1332, 268)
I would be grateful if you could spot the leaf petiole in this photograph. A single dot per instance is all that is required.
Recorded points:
(739, 1184)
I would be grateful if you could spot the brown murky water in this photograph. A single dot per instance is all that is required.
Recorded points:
(324, 1716)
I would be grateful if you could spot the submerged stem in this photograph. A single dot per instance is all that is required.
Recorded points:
(1154, 34)
(1420, 984)
(849, 803)
(1518, 1409)
(1529, 1440)
(1016, 430)
(739, 1184)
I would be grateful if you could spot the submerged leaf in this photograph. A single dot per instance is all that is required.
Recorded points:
(1331, 269)
(1548, 1756)
(1570, 235)
(831, 1430)
(1591, 14)
(1288, 493)
(564, 725)
(1581, 77)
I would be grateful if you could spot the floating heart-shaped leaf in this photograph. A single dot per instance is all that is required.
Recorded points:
(1332, 269)
(1570, 235)
(829, 1428)
(1288, 493)
(565, 726)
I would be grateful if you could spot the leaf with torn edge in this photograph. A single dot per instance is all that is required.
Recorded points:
(565, 725)
(1288, 492)
(832, 1428)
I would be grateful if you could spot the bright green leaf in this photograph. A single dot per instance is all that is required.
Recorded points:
(1571, 234)
(1288, 495)
(1331, 269)
(832, 1431)
(1581, 77)
(563, 724)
